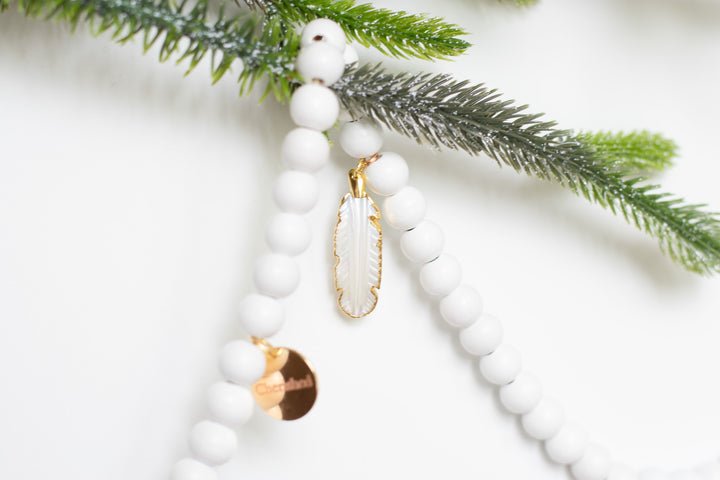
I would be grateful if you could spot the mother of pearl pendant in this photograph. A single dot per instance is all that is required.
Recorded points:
(358, 248)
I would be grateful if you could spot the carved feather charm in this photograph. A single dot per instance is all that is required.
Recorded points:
(358, 250)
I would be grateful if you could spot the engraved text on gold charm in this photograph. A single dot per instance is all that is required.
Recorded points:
(288, 389)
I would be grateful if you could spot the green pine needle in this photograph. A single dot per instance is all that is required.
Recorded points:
(438, 110)
(637, 151)
(399, 34)
(265, 49)
(428, 108)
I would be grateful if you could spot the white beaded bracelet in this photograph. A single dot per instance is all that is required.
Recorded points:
(254, 372)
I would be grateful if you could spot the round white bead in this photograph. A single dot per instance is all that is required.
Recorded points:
(619, 471)
(568, 445)
(462, 306)
(594, 465)
(424, 243)
(322, 30)
(276, 275)
(242, 362)
(405, 209)
(212, 442)
(441, 276)
(288, 233)
(314, 106)
(522, 395)
(305, 149)
(229, 403)
(388, 174)
(362, 138)
(545, 420)
(320, 61)
(261, 316)
(350, 55)
(483, 336)
(191, 469)
(501, 366)
(295, 192)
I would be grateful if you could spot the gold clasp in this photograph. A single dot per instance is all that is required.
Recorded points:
(264, 345)
(356, 176)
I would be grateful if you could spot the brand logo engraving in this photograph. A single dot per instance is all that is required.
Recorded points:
(262, 388)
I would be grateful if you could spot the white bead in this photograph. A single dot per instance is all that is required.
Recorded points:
(314, 106)
(323, 30)
(288, 233)
(350, 55)
(619, 471)
(362, 138)
(320, 61)
(212, 443)
(388, 174)
(441, 276)
(276, 275)
(242, 362)
(191, 469)
(424, 243)
(545, 420)
(501, 366)
(522, 395)
(483, 336)
(594, 465)
(305, 149)
(462, 306)
(568, 445)
(405, 209)
(295, 192)
(229, 403)
(261, 316)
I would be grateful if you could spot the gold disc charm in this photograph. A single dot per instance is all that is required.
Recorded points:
(288, 389)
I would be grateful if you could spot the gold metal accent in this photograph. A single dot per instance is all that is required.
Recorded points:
(366, 162)
(265, 346)
(356, 178)
(288, 389)
(357, 183)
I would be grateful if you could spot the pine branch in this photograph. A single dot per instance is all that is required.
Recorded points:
(638, 151)
(398, 34)
(266, 51)
(436, 109)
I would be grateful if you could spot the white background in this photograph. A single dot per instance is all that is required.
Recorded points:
(132, 202)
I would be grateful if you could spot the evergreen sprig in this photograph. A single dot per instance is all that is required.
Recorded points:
(639, 151)
(438, 110)
(429, 108)
(264, 49)
(398, 34)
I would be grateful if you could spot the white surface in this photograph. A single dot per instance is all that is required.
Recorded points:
(132, 202)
